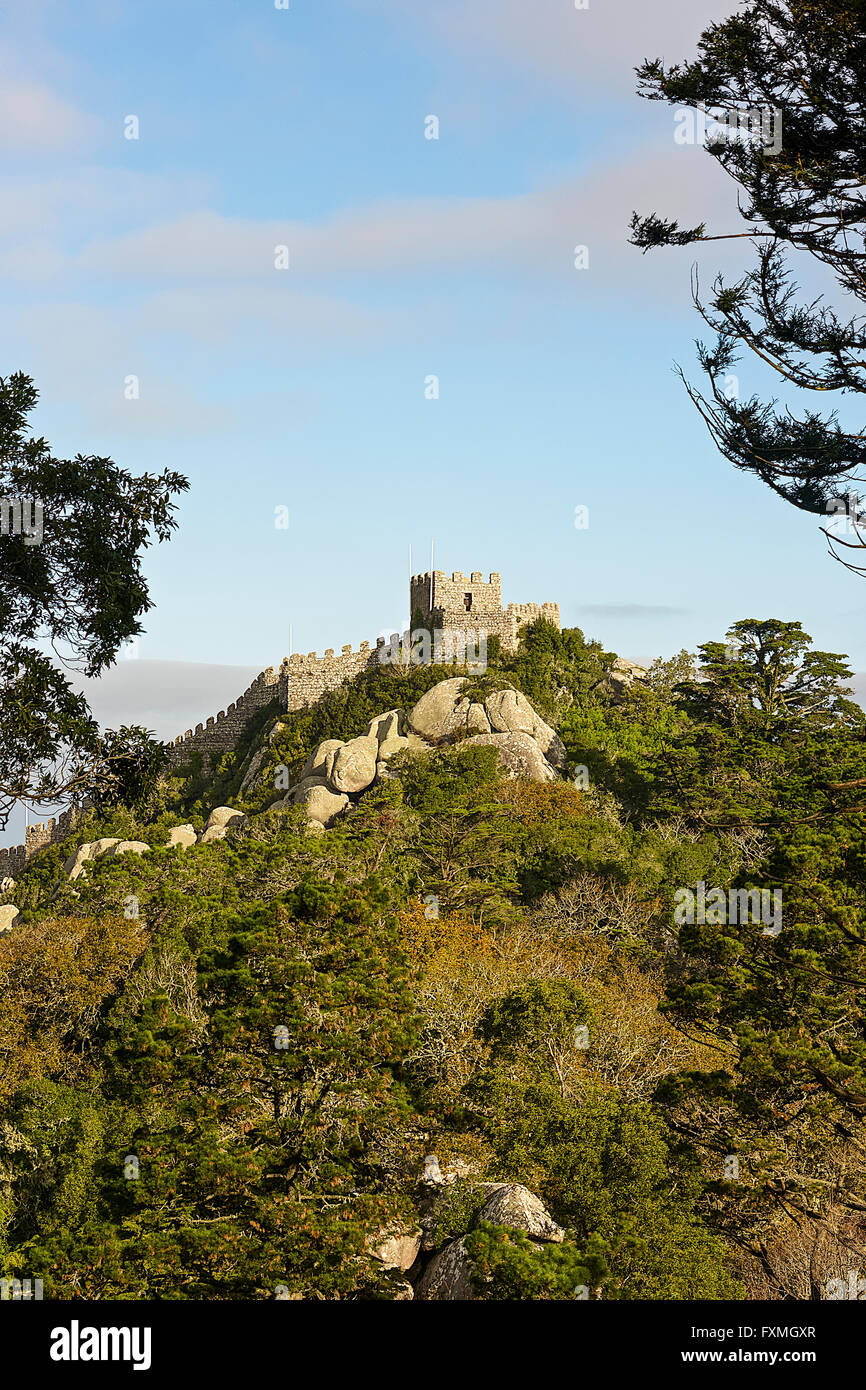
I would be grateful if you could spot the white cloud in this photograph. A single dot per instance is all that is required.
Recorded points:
(168, 697)
(534, 231)
(553, 40)
(34, 120)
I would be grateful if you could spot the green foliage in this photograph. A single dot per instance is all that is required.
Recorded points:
(264, 1166)
(76, 582)
(508, 1265)
(129, 771)
(798, 193)
(555, 669)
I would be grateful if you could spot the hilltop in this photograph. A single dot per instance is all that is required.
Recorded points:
(396, 997)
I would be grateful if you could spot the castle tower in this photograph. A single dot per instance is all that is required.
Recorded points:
(472, 604)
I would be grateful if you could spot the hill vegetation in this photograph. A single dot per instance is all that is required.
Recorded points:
(222, 1067)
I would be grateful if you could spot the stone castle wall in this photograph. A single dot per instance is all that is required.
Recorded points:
(36, 837)
(449, 595)
(219, 734)
(304, 679)
(518, 614)
(469, 603)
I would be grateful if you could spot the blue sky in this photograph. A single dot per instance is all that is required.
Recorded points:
(409, 257)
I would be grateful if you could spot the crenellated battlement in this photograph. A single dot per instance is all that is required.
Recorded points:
(220, 732)
(36, 837)
(472, 604)
(304, 679)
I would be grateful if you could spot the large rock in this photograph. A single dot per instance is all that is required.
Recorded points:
(323, 805)
(6, 885)
(509, 711)
(319, 761)
(519, 755)
(443, 713)
(128, 847)
(354, 765)
(387, 725)
(447, 1276)
(102, 847)
(515, 1206)
(390, 747)
(225, 816)
(74, 865)
(398, 1249)
(182, 835)
(297, 792)
(212, 833)
(252, 771)
(623, 676)
(8, 916)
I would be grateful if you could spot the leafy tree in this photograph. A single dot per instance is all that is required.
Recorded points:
(766, 723)
(785, 1018)
(73, 581)
(606, 1171)
(508, 1265)
(266, 1118)
(555, 668)
(464, 837)
(799, 64)
(131, 762)
(766, 677)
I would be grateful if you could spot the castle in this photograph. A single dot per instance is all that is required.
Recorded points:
(49, 832)
(463, 604)
(466, 604)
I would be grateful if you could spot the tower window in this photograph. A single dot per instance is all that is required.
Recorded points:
(467, 602)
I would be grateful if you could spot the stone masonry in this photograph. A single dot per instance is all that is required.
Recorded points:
(471, 604)
(50, 832)
(457, 604)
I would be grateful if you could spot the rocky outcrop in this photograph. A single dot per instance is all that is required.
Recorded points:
(8, 916)
(518, 754)
(222, 816)
(184, 836)
(128, 847)
(514, 1205)
(323, 805)
(317, 763)
(623, 676)
(354, 765)
(391, 724)
(336, 770)
(509, 711)
(446, 1275)
(219, 822)
(443, 713)
(398, 1249)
